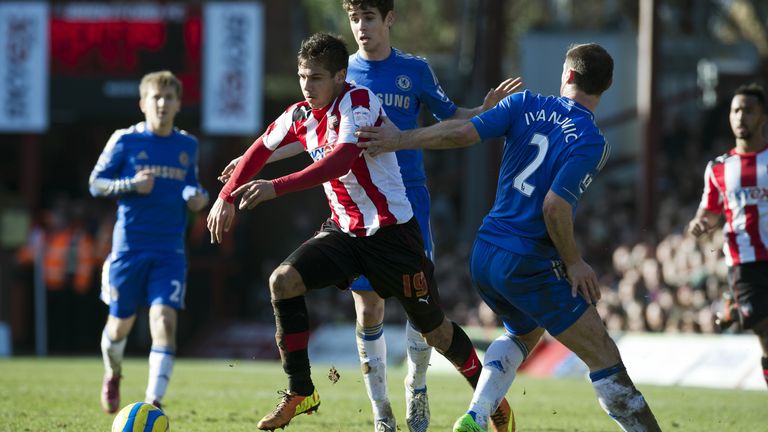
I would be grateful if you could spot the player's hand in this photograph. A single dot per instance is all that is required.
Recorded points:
(197, 201)
(506, 88)
(226, 173)
(254, 193)
(144, 181)
(583, 280)
(699, 226)
(220, 219)
(381, 139)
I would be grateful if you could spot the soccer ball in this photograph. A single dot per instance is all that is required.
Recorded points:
(142, 417)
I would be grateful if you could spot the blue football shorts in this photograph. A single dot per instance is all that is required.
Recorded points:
(137, 278)
(525, 292)
(419, 198)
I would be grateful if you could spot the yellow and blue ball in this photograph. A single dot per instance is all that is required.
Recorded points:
(140, 417)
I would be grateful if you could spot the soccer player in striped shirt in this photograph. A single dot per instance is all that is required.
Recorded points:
(371, 230)
(525, 262)
(151, 168)
(736, 184)
(404, 83)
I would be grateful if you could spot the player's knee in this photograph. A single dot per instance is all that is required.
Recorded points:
(117, 329)
(115, 333)
(162, 326)
(370, 311)
(285, 282)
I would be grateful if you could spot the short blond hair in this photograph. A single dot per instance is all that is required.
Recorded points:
(160, 79)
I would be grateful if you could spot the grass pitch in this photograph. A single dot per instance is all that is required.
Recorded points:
(62, 394)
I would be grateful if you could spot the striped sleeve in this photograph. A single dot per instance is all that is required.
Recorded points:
(278, 133)
(281, 131)
(104, 180)
(358, 108)
(711, 198)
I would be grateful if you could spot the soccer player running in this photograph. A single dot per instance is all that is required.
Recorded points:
(371, 231)
(525, 261)
(151, 168)
(735, 184)
(403, 83)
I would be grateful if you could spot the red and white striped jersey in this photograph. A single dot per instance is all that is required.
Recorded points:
(737, 184)
(369, 196)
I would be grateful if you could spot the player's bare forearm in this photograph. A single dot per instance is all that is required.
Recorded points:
(444, 135)
(557, 217)
(704, 222)
(467, 113)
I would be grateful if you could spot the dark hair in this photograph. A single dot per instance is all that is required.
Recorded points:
(384, 6)
(327, 50)
(755, 90)
(593, 66)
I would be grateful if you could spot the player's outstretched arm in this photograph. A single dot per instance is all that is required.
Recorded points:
(334, 165)
(559, 221)
(704, 222)
(283, 152)
(494, 95)
(444, 135)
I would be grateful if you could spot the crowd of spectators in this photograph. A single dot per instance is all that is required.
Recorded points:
(655, 280)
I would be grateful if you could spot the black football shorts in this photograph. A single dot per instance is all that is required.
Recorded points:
(749, 287)
(392, 259)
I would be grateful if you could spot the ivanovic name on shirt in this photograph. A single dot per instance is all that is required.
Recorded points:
(565, 123)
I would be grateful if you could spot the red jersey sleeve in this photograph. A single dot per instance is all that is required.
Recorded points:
(278, 134)
(337, 163)
(712, 198)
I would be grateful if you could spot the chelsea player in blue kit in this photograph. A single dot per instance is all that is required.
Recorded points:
(404, 83)
(525, 262)
(151, 168)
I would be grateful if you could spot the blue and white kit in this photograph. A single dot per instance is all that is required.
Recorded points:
(552, 143)
(147, 264)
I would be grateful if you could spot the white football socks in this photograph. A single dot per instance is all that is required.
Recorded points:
(500, 364)
(112, 353)
(372, 349)
(419, 353)
(160, 370)
(622, 401)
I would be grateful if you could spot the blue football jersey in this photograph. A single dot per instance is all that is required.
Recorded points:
(403, 82)
(154, 221)
(552, 143)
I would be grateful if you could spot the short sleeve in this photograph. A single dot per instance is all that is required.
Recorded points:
(498, 120)
(581, 167)
(711, 198)
(358, 108)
